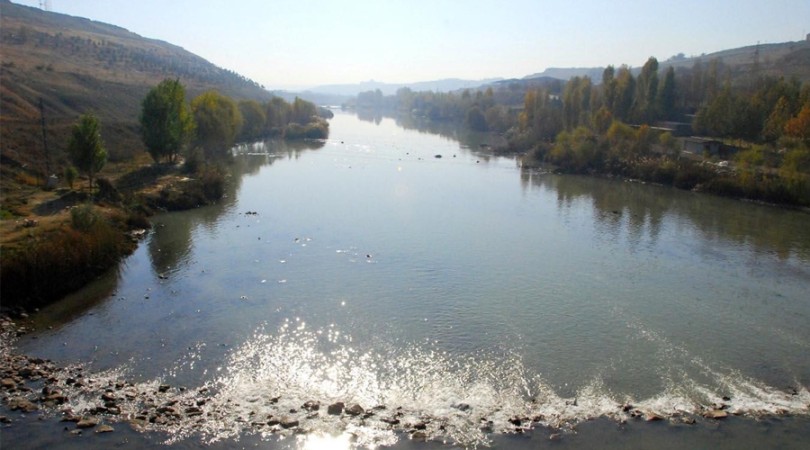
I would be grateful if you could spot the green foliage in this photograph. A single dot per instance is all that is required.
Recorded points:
(83, 217)
(475, 119)
(86, 148)
(218, 122)
(318, 129)
(645, 103)
(166, 122)
(542, 115)
(70, 175)
(278, 113)
(255, 119)
(576, 151)
(667, 96)
(303, 112)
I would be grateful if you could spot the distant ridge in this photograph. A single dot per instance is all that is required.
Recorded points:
(786, 59)
(445, 85)
(565, 74)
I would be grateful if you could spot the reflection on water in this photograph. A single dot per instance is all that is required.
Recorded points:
(644, 207)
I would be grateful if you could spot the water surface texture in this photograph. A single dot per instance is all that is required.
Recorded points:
(460, 289)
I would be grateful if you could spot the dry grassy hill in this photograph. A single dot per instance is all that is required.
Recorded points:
(74, 65)
(786, 59)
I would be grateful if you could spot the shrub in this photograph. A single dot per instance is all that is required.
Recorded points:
(49, 267)
(83, 217)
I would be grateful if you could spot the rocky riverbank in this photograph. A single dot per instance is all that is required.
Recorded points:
(89, 402)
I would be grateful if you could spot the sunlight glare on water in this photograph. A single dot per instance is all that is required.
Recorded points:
(324, 442)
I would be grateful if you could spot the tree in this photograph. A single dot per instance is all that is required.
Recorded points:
(475, 119)
(667, 95)
(254, 118)
(303, 111)
(166, 122)
(799, 126)
(86, 148)
(277, 116)
(779, 117)
(218, 122)
(645, 104)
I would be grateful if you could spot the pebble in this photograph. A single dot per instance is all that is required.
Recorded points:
(87, 422)
(715, 414)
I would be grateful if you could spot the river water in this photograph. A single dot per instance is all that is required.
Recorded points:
(461, 291)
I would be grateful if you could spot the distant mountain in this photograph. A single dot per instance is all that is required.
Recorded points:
(75, 65)
(446, 85)
(560, 73)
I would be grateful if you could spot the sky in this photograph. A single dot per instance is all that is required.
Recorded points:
(295, 44)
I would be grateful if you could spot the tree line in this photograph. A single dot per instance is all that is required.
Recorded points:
(202, 130)
(211, 123)
(626, 123)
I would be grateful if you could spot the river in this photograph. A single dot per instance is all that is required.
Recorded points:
(416, 271)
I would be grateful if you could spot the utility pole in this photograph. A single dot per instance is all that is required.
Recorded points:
(45, 141)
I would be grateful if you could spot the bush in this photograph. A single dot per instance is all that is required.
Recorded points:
(83, 217)
(49, 267)
(213, 183)
(315, 130)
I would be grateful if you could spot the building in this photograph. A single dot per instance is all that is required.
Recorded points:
(702, 146)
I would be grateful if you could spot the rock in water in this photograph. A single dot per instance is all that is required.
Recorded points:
(289, 422)
(87, 422)
(715, 414)
(335, 408)
(354, 410)
(105, 429)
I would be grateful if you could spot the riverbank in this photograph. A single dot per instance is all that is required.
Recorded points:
(64, 239)
(684, 173)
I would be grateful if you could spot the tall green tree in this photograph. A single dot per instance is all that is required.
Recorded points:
(254, 117)
(277, 115)
(667, 95)
(166, 122)
(645, 104)
(86, 149)
(218, 122)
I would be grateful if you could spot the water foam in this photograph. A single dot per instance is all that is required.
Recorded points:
(417, 390)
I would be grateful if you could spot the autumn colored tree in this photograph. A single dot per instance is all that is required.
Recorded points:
(218, 122)
(799, 126)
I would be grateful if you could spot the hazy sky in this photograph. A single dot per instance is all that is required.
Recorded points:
(298, 43)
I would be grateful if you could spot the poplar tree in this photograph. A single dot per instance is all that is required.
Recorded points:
(166, 122)
(86, 148)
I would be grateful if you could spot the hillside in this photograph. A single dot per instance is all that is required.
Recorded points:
(786, 59)
(76, 65)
